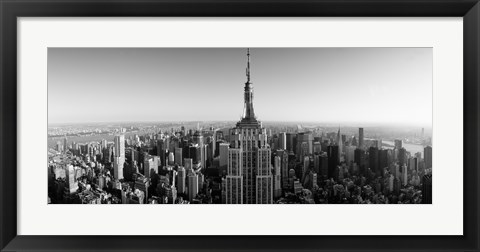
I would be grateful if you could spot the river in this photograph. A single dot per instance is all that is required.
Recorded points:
(412, 148)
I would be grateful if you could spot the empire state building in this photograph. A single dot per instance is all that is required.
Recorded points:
(249, 177)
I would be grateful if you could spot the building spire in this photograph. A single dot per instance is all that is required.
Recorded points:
(248, 64)
(248, 114)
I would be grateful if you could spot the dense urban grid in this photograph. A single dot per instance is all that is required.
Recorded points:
(238, 163)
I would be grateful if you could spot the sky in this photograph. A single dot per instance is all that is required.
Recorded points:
(331, 85)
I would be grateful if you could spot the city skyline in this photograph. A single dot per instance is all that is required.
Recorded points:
(116, 82)
(247, 164)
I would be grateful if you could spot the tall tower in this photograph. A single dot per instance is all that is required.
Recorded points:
(65, 144)
(360, 138)
(340, 144)
(119, 158)
(248, 141)
(248, 113)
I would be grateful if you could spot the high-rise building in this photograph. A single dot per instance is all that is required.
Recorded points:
(283, 154)
(282, 141)
(402, 156)
(291, 139)
(119, 156)
(413, 164)
(162, 148)
(198, 139)
(340, 144)
(373, 160)
(201, 180)
(317, 147)
(404, 175)
(427, 189)
(141, 184)
(181, 176)
(72, 184)
(349, 154)
(360, 139)
(120, 146)
(250, 138)
(359, 156)
(398, 143)
(277, 183)
(382, 159)
(427, 154)
(188, 163)
(192, 186)
(171, 158)
(333, 158)
(65, 144)
(150, 165)
(323, 165)
(195, 153)
(264, 178)
(223, 160)
(304, 144)
(178, 156)
(118, 168)
(234, 178)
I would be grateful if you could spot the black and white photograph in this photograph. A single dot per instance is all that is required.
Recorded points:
(253, 125)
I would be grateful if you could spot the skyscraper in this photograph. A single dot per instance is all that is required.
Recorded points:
(264, 178)
(340, 144)
(161, 149)
(282, 141)
(304, 144)
(360, 138)
(178, 156)
(71, 182)
(290, 141)
(359, 156)
(402, 156)
(427, 155)
(332, 153)
(250, 139)
(427, 189)
(283, 154)
(65, 145)
(192, 186)
(120, 146)
(398, 143)
(373, 160)
(234, 178)
(198, 139)
(223, 160)
(277, 177)
(119, 158)
(382, 160)
(181, 176)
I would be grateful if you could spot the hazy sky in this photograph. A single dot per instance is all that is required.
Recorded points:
(334, 85)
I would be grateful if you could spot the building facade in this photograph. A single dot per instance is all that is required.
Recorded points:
(249, 139)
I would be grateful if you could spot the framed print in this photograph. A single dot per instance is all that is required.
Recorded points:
(205, 125)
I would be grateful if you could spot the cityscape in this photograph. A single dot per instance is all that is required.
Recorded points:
(248, 161)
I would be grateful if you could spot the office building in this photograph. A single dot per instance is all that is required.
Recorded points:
(179, 156)
(427, 153)
(250, 137)
(333, 159)
(361, 143)
(181, 176)
(427, 189)
(282, 141)
(234, 178)
(192, 186)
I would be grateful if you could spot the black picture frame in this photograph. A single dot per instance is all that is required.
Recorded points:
(10, 10)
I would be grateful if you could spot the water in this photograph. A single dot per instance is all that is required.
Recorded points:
(412, 148)
(52, 141)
